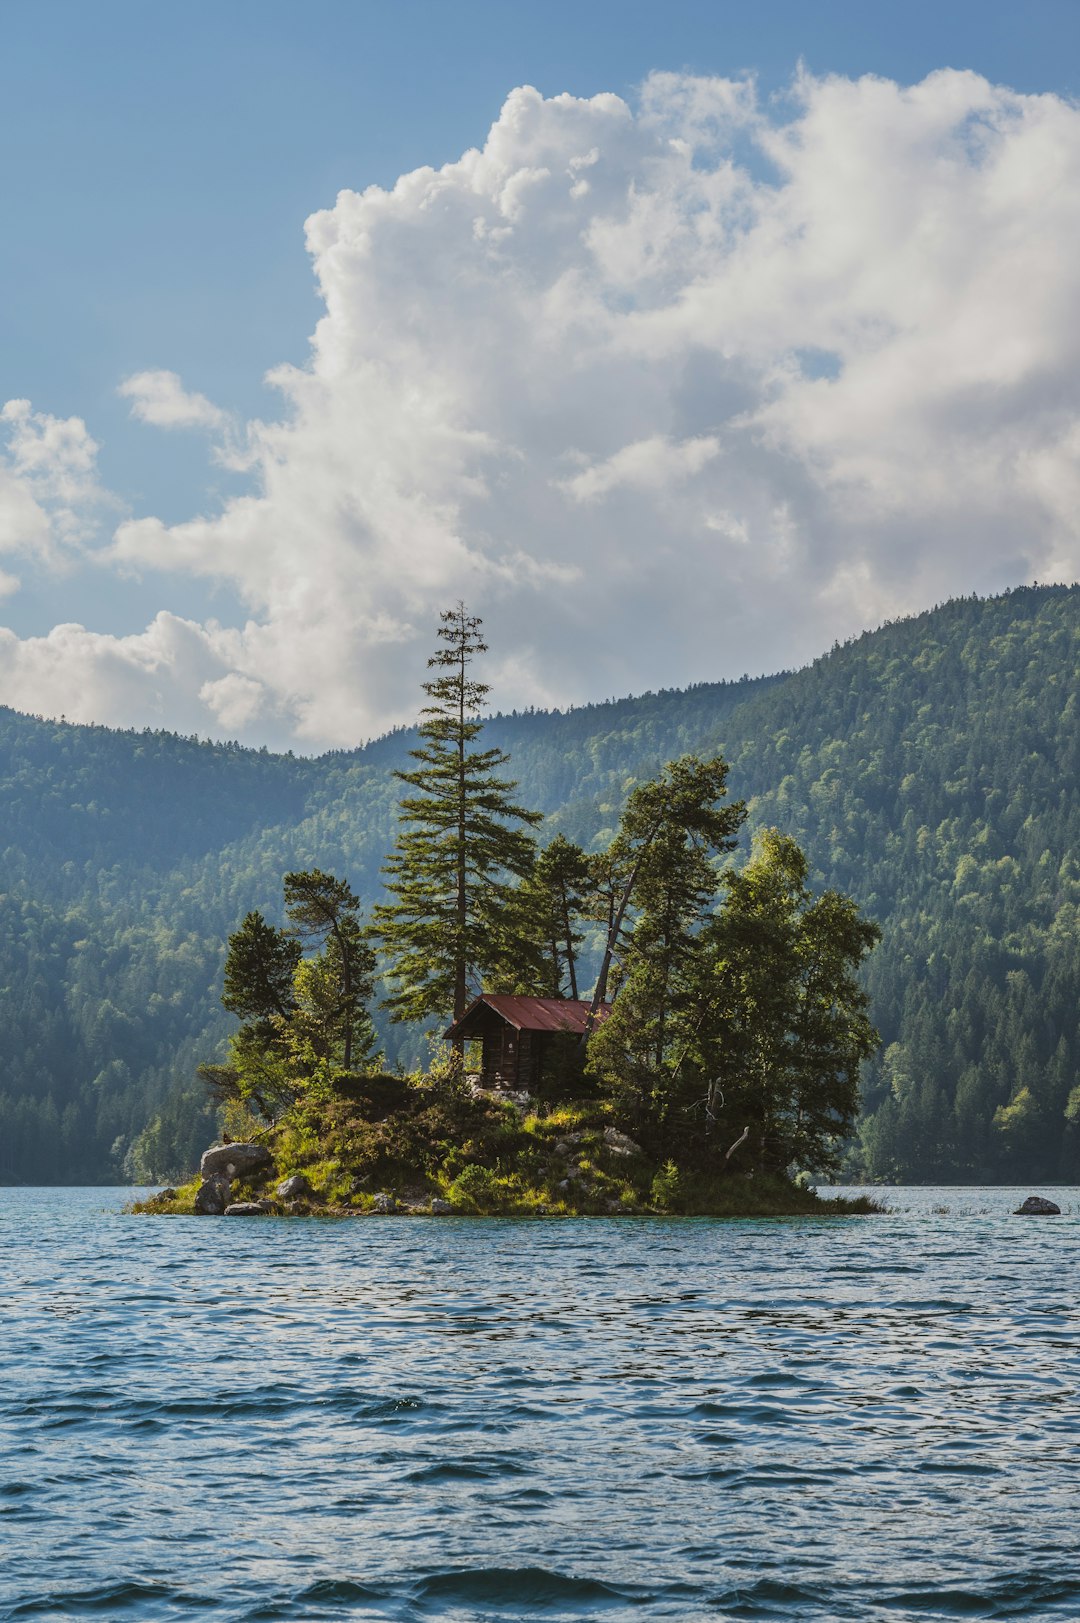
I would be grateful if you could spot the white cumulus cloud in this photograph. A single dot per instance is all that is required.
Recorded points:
(50, 499)
(648, 465)
(665, 391)
(160, 398)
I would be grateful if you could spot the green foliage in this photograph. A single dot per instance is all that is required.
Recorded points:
(306, 1019)
(742, 1026)
(551, 904)
(664, 856)
(659, 866)
(930, 770)
(330, 1025)
(781, 1028)
(259, 969)
(667, 1187)
(475, 1189)
(452, 920)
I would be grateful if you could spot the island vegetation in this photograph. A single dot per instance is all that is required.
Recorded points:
(928, 769)
(715, 1057)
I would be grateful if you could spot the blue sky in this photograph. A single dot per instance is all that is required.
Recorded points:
(160, 162)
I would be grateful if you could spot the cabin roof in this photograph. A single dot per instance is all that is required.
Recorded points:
(530, 1013)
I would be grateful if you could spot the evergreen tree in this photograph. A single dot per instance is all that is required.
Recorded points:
(330, 1030)
(324, 909)
(454, 918)
(553, 899)
(659, 860)
(259, 968)
(260, 964)
(304, 1018)
(781, 1027)
(663, 859)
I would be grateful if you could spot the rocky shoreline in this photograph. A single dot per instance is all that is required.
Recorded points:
(247, 1180)
(252, 1165)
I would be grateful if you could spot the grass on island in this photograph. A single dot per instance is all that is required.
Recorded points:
(417, 1142)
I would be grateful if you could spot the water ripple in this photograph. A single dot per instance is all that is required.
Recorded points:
(539, 1420)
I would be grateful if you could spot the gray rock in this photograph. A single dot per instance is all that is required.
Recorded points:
(212, 1197)
(384, 1203)
(1037, 1206)
(619, 1144)
(295, 1188)
(247, 1208)
(441, 1208)
(235, 1160)
(164, 1194)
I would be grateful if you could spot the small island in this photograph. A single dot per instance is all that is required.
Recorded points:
(398, 1148)
(709, 1065)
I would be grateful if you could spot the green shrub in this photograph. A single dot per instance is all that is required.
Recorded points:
(667, 1188)
(476, 1189)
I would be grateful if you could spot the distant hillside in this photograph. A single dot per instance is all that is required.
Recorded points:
(930, 768)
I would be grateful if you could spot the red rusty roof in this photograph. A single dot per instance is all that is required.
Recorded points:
(534, 1013)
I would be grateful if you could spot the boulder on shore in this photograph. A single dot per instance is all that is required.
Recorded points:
(295, 1188)
(235, 1160)
(441, 1208)
(619, 1143)
(212, 1197)
(1037, 1206)
(248, 1208)
(384, 1203)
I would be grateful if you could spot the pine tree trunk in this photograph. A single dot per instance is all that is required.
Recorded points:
(460, 988)
(600, 994)
(346, 994)
(570, 964)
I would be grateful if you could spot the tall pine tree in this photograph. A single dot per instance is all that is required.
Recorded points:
(460, 847)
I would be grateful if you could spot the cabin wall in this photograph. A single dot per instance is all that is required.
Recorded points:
(511, 1059)
(501, 1051)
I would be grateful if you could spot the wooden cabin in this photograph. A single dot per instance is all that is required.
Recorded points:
(515, 1033)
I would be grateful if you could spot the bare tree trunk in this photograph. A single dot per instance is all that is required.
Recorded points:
(742, 1138)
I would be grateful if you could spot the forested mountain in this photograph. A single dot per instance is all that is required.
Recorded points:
(930, 768)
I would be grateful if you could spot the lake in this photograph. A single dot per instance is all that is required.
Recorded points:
(449, 1419)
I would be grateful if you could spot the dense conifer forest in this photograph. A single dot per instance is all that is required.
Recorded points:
(930, 769)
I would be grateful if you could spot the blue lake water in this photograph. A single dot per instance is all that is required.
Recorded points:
(620, 1419)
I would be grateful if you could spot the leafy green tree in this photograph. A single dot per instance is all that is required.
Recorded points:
(324, 909)
(304, 1018)
(453, 919)
(781, 1027)
(658, 861)
(672, 832)
(260, 964)
(331, 1029)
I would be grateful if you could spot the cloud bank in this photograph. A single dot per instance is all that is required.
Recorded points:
(666, 392)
